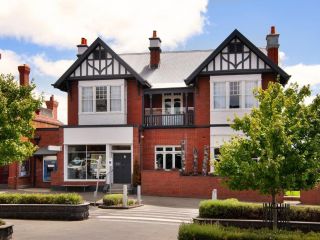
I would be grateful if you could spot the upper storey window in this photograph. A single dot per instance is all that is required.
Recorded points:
(234, 94)
(101, 99)
(235, 47)
(234, 99)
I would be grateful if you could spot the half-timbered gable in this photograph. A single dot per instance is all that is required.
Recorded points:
(99, 61)
(237, 55)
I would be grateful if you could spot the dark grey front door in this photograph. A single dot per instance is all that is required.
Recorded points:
(122, 167)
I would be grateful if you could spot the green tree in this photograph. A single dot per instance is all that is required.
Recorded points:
(279, 149)
(17, 109)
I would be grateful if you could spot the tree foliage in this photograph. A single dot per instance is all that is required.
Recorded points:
(280, 146)
(17, 109)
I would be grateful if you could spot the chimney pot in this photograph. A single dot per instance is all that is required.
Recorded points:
(273, 29)
(83, 41)
(154, 34)
(24, 71)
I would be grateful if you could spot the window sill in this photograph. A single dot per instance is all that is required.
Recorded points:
(100, 113)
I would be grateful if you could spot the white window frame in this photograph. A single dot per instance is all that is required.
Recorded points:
(100, 83)
(227, 95)
(164, 152)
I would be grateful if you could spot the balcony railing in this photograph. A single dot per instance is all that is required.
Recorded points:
(183, 119)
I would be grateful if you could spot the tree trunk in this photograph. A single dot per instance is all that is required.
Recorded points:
(274, 212)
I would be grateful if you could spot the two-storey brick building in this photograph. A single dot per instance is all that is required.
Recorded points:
(162, 111)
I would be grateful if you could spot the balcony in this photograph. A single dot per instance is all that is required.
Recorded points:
(169, 108)
(179, 119)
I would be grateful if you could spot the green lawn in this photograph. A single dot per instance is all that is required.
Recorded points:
(292, 193)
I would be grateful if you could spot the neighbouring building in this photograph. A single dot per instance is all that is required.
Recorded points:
(36, 171)
(160, 113)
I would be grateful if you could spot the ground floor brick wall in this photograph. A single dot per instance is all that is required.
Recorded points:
(311, 196)
(195, 137)
(171, 183)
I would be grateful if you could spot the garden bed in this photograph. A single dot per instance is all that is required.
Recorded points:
(114, 201)
(233, 209)
(206, 232)
(43, 206)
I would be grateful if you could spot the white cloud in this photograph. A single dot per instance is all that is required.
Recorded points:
(304, 74)
(128, 23)
(51, 68)
(10, 61)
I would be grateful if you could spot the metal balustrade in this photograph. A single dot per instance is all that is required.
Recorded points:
(183, 119)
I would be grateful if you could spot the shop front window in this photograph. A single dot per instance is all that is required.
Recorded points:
(83, 162)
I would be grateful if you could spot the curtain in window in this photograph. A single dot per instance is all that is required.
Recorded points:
(219, 95)
(87, 99)
(115, 98)
(250, 100)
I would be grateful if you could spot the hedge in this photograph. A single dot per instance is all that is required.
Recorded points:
(233, 209)
(215, 232)
(116, 199)
(39, 198)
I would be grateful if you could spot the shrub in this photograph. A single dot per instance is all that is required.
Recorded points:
(233, 209)
(116, 199)
(215, 232)
(39, 198)
(2, 222)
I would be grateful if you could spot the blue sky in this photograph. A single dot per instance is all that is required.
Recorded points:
(45, 35)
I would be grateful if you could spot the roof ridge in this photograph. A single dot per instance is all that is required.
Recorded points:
(177, 51)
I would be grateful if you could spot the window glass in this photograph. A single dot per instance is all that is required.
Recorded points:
(235, 47)
(159, 161)
(216, 153)
(87, 99)
(24, 168)
(115, 99)
(84, 161)
(169, 159)
(101, 98)
(178, 161)
(219, 93)
(250, 100)
(177, 105)
(234, 95)
(167, 106)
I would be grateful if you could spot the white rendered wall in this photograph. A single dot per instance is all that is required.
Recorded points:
(104, 118)
(221, 116)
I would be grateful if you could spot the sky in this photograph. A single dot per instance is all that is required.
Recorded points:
(44, 34)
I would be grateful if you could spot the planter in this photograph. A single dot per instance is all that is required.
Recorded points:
(6, 232)
(257, 224)
(45, 211)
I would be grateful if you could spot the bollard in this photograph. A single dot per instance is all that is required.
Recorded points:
(214, 194)
(139, 194)
(125, 196)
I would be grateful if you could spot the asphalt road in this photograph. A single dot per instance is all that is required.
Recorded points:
(146, 222)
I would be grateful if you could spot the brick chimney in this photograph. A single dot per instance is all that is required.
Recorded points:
(273, 45)
(24, 71)
(82, 47)
(155, 50)
(53, 105)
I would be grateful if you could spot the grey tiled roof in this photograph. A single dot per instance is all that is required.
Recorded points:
(174, 67)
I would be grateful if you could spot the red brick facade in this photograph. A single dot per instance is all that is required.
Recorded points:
(134, 102)
(171, 183)
(73, 104)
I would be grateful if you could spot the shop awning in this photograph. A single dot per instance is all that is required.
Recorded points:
(46, 151)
